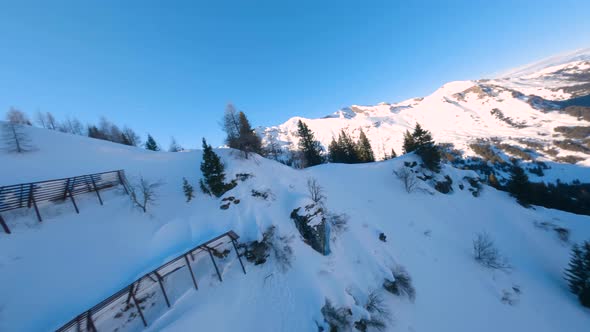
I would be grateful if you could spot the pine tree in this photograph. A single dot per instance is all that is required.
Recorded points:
(409, 143)
(213, 182)
(151, 144)
(577, 273)
(421, 141)
(248, 141)
(349, 148)
(519, 185)
(188, 190)
(393, 154)
(364, 149)
(335, 153)
(311, 149)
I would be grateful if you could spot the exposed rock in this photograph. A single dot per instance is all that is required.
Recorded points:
(312, 227)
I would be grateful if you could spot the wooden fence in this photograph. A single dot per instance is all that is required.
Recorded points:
(145, 299)
(31, 194)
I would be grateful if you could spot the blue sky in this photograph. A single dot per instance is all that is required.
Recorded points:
(170, 67)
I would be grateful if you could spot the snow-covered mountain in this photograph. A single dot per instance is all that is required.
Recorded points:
(535, 108)
(54, 270)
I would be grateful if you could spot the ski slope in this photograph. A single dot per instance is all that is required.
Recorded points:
(52, 271)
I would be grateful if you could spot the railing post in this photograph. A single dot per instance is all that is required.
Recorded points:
(138, 308)
(32, 198)
(162, 287)
(89, 322)
(190, 269)
(66, 188)
(122, 181)
(238, 253)
(4, 226)
(96, 189)
(214, 264)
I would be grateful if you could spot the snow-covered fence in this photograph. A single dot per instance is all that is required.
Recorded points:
(147, 298)
(34, 193)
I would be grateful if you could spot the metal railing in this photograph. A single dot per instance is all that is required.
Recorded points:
(145, 299)
(27, 195)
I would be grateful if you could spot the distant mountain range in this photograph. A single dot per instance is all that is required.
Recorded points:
(542, 108)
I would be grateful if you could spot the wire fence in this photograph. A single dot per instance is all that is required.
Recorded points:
(27, 195)
(143, 301)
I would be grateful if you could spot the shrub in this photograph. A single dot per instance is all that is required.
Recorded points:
(316, 192)
(402, 283)
(257, 252)
(408, 178)
(485, 252)
(578, 132)
(568, 144)
(339, 319)
(143, 193)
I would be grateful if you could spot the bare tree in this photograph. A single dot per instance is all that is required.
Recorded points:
(15, 139)
(51, 122)
(408, 178)
(174, 146)
(231, 125)
(41, 119)
(143, 193)
(273, 149)
(17, 116)
(131, 136)
(486, 253)
(316, 192)
(71, 126)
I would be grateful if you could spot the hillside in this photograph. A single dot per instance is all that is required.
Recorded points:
(54, 270)
(540, 111)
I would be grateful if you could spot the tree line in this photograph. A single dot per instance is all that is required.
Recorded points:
(103, 130)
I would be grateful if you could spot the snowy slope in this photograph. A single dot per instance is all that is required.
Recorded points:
(525, 105)
(52, 271)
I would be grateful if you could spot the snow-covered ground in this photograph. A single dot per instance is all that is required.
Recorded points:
(52, 271)
(463, 111)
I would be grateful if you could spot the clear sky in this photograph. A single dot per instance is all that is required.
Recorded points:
(170, 67)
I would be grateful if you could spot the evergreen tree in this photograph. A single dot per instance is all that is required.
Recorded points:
(151, 144)
(188, 190)
(349, 148)
(335, 152)
(248, 141)
(393, 154)
(421, 141)
(310, 148)
(409, 143)
(519, 185)
(364, 150)
(213, 182)
(577, 273)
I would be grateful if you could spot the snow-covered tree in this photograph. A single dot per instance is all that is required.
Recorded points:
(15, 138)
(151, 144)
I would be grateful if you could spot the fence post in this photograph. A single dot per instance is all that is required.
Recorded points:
(214, 264)
(188, 263)
(162, 287)
(66, 188)
(138, 307)
(238, 253)
(71, 196)
(4, 226)
(32, 198)
(89, 322)
(96, 189)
